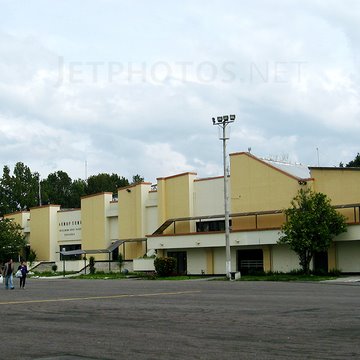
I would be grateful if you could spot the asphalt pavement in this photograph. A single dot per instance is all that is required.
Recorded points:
(69, 319)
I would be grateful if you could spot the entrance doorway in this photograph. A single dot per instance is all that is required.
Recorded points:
(250, 261)
(115, 254)
(181, 261)
(321, 262)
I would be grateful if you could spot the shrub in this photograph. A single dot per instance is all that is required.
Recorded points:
(92, 265)
(32, 256)
(120, 261)
(54, 268)
(335, 272)
(165, 266)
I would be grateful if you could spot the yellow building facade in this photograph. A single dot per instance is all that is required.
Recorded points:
(183, 216)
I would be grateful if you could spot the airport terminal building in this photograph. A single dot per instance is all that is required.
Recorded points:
(183, 216)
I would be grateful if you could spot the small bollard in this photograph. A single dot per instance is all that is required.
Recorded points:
(235, 275)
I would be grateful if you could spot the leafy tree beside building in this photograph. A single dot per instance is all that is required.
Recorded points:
(355, 162)
(12, 240)
(352, 163)
(311, 225)
(20, 189)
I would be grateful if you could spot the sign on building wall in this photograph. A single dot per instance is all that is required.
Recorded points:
(69, 226)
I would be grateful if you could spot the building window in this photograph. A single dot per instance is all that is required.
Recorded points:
(70, 248)
(206, 226)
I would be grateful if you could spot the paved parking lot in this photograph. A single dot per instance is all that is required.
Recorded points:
(137, 319)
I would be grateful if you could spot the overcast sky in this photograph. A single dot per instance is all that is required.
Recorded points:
(130, 87)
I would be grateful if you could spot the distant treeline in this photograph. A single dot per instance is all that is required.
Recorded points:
(23, 189)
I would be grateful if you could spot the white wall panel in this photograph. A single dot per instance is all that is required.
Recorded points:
(348, 256)
(209, 197)
(284, 259)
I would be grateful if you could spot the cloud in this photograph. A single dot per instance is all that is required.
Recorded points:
(137, 96)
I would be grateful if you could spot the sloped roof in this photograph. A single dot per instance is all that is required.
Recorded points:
(111, 248)
(297, 170)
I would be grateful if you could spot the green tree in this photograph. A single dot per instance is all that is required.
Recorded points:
(12, 239)
(137, 179)
(56, 189)
(25, 187)
(355, 162)
(7, 203)
(19, 191)
(105, 182)
(78, 189)
(311, 225)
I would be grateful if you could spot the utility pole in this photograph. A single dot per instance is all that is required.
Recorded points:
(223, 122)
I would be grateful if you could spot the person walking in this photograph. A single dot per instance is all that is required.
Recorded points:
(23, 268)
(8, 274)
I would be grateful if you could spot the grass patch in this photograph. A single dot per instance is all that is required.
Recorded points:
(144, 276)
(50, 273)
(177, 278)
(104, 276)
(293, 276)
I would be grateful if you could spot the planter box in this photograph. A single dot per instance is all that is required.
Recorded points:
(144, 264)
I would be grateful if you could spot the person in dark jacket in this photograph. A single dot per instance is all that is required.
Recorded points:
(23, 268)
(8, 274)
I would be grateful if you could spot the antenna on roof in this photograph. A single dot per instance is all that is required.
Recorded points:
(318, 159)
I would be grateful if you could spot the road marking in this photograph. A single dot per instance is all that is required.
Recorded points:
(96, 297)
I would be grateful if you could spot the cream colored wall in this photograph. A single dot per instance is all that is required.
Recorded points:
(43, 236)
(151, 210)
(53, 232)
(113, 228)
(95, 224)
(68, 229)
(257, 186)
(209, 261)
(284, 259)
(69, 226)
(219, 261)
(196, 261)
(209, 196)
(267, 258)
(151, 219)
(348, 255)
(20, 218)
(132, 217)
(112, 210)
(332, 257)
(214, 240)
(175, 196)
(23, 219)
(342, 186)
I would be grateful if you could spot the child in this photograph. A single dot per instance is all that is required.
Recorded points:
(24, 271)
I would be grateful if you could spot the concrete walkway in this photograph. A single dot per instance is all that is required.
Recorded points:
(348, 279)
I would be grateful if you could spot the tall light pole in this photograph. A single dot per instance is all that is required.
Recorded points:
(223, 122)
